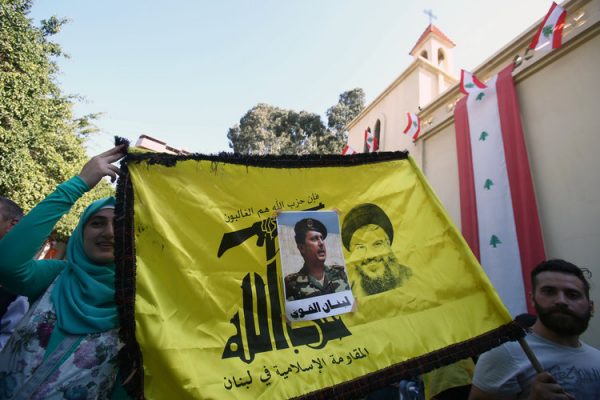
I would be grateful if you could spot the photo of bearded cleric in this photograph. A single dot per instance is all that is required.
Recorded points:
(315, 277)
(367, 234)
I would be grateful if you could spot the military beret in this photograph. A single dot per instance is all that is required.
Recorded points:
(308, 224)
(365, 214)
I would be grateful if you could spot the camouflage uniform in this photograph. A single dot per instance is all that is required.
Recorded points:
(301, 285)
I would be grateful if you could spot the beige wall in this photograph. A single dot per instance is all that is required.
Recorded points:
(403, 96)
(418, 86)
(560, 107)
(441, 169)
(560, 111)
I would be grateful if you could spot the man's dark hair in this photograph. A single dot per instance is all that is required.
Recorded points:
(9, 209)
(564, 267)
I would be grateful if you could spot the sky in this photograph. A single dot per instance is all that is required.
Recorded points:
(186, 71)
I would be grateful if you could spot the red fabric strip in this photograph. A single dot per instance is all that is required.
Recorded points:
(468, 203)
(462, 82)
(527, 222)
(536, 38)
(557, 36)
(409, 123)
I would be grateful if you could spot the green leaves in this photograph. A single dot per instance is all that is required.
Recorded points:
(266, 129)
(349, 105)
(52, 25)
(41, 145)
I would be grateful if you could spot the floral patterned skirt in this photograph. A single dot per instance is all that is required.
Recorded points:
(87, 371)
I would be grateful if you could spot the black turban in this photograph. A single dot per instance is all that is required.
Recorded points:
(365, 214)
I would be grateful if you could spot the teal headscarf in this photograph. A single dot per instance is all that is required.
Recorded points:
(84, 294)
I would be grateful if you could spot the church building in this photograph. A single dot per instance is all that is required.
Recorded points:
(558, 94)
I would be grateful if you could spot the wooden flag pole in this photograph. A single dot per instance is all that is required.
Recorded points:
(525, 321)
(532, 358)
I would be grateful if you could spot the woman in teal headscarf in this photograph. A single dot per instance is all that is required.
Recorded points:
(66, 346)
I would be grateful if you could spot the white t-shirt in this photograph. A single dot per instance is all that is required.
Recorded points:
(506, 370)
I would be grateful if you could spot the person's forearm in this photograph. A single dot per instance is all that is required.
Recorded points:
(23, 241)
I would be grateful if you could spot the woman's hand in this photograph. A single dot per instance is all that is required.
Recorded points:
(101, 165)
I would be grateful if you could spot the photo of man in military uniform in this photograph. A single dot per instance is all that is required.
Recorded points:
(315, 278)
(367, 233)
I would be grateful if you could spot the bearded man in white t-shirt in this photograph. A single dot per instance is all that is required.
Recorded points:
(571, 368)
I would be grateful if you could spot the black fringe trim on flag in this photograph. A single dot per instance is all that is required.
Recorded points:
(271, 161)
(419, 365)
(130, 356)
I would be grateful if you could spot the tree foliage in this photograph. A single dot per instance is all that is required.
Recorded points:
(349, 105)
(266, 129)
(41, 144)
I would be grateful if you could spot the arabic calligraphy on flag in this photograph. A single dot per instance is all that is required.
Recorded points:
(200, 286)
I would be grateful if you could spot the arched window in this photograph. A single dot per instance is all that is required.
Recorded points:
(424, 54)
(366, 148)
(441, 57)
(377, 135)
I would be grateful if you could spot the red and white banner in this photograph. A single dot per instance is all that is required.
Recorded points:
(469, 82)
(498, 209)
(550, 30)
(371, 141)
(348, 150)
(413, 127)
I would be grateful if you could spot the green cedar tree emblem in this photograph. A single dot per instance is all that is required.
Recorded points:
(415, 124)
(483, 136)
(488, 184)
(469, 85)
(547, 30)
(480, 96)
(494, 241)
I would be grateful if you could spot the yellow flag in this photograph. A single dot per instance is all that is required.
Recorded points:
(200, 284)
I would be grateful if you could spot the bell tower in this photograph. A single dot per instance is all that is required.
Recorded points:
(434, 46)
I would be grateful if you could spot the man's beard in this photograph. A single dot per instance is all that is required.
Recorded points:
(562, 320)
(393, 275)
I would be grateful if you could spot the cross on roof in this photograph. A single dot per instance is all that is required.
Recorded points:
(431, 15)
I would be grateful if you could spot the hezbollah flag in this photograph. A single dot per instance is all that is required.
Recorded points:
(200, 287)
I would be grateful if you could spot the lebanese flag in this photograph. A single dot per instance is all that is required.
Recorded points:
(469, 82)
(550, 30)
(371, 141)
(414, 125)
(348, 150)
(498, 209)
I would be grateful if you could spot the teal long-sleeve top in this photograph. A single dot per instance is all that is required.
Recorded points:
(19, 273)
(22, 275)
